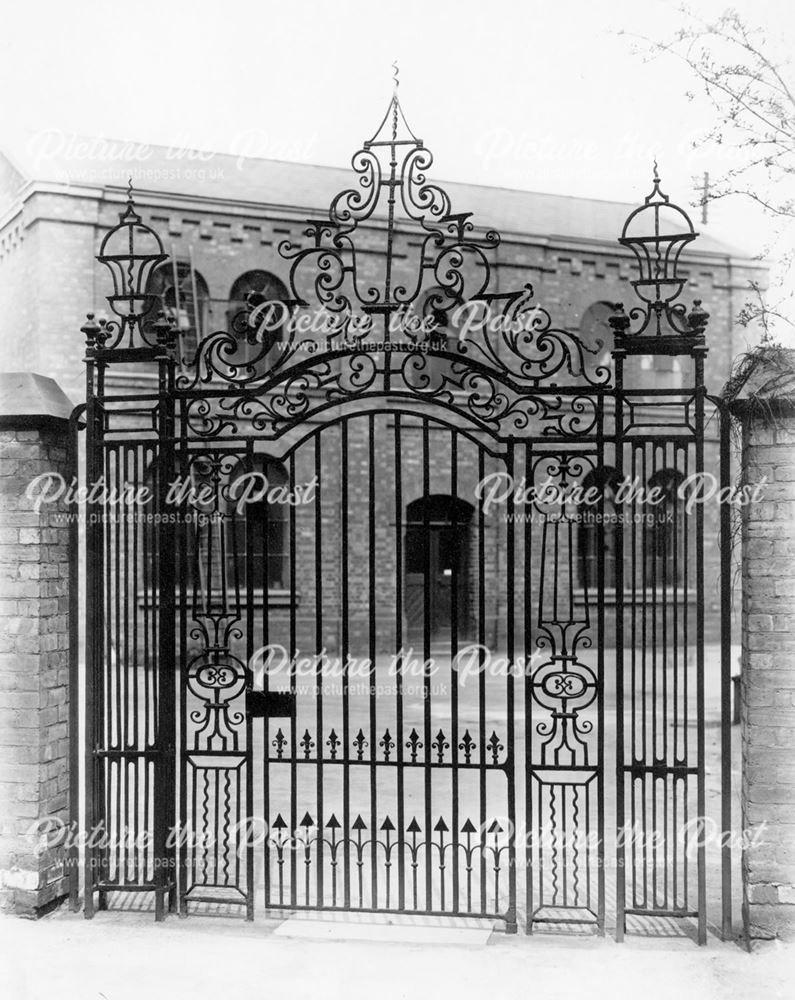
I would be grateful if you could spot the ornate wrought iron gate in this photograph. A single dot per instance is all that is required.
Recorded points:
(355, 642)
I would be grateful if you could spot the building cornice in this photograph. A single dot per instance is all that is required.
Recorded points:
(295, 214)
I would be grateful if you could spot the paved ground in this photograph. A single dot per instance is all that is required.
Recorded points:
(128, 957)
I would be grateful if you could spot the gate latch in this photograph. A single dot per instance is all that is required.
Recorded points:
(270, 704)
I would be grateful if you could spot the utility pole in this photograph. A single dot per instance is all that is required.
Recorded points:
(704, 198)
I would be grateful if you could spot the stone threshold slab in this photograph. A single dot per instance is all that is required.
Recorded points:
(399, 929)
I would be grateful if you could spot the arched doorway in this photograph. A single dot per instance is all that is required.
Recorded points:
(437, 550)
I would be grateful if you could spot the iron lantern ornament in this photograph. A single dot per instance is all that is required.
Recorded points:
(657, 232)
(131, 251)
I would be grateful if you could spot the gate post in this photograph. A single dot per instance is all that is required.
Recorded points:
(34, 646)
(765, 407)
(165, 772)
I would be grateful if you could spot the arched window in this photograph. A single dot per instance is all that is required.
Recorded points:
(268, 325)
(665, 531)
(597, 532)
(182, 294)
(597, 335)
(268, 519)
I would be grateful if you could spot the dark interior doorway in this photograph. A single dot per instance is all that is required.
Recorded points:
(437, 547)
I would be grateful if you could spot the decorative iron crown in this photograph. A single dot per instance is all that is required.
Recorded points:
(657, 232)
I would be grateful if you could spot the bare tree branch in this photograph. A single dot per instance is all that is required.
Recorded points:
(751, 92)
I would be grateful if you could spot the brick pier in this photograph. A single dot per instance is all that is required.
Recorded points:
(34, 643)
(768, 651)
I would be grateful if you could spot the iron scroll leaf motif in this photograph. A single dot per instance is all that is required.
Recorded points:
(562, 685)
(370, 286)
(215, 677)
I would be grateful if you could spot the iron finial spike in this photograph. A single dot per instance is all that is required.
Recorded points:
(129, 190)
(656, 173)
(395, 102)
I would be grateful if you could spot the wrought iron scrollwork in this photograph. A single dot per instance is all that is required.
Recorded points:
(426, 324)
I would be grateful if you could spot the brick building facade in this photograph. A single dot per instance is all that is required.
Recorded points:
(222, 220)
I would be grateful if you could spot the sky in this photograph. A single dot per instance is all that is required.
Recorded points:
(540, 96)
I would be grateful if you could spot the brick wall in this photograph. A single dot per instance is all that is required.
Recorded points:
(768, 678)
(34, 669)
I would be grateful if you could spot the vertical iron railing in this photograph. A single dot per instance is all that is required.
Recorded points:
(619, 356)
(726, 717)
(94, 811)
(165, 740)
(75, 700)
